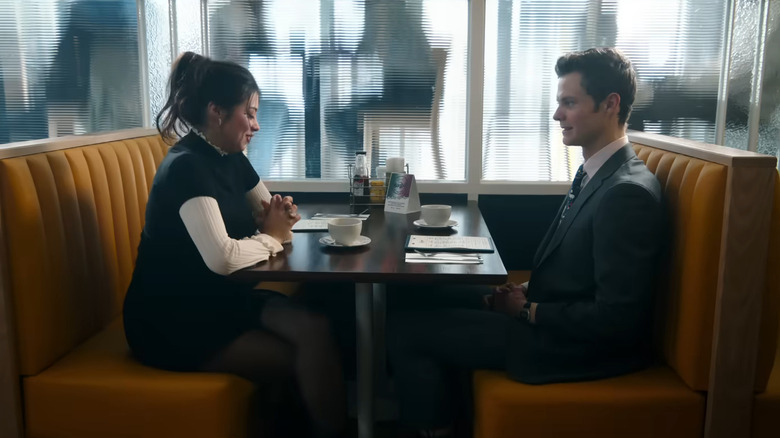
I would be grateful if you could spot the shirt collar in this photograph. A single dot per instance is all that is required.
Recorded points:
(594, 163)
(200, 134)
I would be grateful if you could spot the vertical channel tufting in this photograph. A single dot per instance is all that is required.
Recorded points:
(78, 298)
(149, 153)
(107, 235)
(73, 220)
(118, 214)
(139, 170)
(130, 208)
(687, 312)
(694, 192)
(140, 190)
(653, 160)
(51, 255)
(98, 280)
(703, 241)
(149, 167)
(30, 267)
(664, 168)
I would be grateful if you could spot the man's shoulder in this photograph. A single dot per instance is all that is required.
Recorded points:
(634, 172)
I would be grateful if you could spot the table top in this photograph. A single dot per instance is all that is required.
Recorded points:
(382, 260)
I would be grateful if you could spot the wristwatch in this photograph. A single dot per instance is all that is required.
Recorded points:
(525, 312)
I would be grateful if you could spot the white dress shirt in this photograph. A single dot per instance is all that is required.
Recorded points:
(594, 163)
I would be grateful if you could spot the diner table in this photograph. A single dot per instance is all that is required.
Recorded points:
(371, 267)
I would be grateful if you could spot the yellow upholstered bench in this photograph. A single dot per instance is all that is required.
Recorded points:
(710, 304)
(71, 214)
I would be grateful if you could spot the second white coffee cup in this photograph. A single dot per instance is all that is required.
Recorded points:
(395, 165)
(345, 231)
(436, 214)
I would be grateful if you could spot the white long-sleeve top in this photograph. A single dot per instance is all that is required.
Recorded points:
(255, 197)
(223, 255)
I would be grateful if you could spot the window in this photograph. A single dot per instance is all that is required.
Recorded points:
(336, 77)
(391, 76)
(68, 67)
(748, 29)
(673, 44)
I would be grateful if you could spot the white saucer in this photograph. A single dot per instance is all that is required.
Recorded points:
(361, 241)
(421, 223)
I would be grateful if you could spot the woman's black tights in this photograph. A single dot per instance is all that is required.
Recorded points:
(294, 341)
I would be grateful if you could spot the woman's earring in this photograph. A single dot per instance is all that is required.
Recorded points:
(220, 121)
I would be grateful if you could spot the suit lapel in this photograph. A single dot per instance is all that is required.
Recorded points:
(548, 235)
(607, 170)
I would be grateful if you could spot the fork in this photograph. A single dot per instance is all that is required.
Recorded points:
(453, 255)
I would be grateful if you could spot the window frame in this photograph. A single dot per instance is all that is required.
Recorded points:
(473, 186)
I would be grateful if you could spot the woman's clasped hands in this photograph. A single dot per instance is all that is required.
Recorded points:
(278, 217)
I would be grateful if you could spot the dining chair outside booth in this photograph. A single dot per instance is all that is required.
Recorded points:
(411, 123)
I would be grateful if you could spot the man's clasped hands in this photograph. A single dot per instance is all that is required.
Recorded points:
(508, 298)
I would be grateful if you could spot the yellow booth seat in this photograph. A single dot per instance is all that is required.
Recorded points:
(651, 403)
(99, 390)
(670, 398)
(71, 223)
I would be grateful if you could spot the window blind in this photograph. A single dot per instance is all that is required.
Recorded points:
(68, 67)
(336, 77)
(673, 44)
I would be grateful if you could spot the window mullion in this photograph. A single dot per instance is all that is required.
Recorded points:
(476, 75)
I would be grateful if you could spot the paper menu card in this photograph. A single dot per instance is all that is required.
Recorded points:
(311, 225)
(325, 216)
(450, 243)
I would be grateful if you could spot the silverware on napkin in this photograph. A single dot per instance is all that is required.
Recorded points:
(443, 257)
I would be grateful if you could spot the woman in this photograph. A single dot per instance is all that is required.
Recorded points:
(206, 205)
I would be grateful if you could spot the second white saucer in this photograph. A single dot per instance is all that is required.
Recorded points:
(421, 223)
(361, 241)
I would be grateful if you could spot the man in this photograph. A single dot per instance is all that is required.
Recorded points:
(586, 312)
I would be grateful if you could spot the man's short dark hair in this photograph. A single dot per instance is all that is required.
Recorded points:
(604, 71)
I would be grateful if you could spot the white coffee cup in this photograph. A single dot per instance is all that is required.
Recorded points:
(436, 214)
(345, 231)
(395, 165)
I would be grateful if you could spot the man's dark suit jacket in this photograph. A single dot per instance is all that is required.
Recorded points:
(593, 278)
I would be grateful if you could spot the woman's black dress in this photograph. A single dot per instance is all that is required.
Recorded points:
(177, 312)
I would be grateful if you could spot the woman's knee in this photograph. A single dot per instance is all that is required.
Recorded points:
(314, 326)
(301, 327)
(258, 356)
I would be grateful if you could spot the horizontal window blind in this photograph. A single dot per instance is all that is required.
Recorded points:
(675, 48)
(68, 67)
(387, 77)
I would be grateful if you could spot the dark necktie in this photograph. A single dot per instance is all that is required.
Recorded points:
(576, 185)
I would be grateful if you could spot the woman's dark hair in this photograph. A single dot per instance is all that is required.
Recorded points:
(604, 71)
(195, 82)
